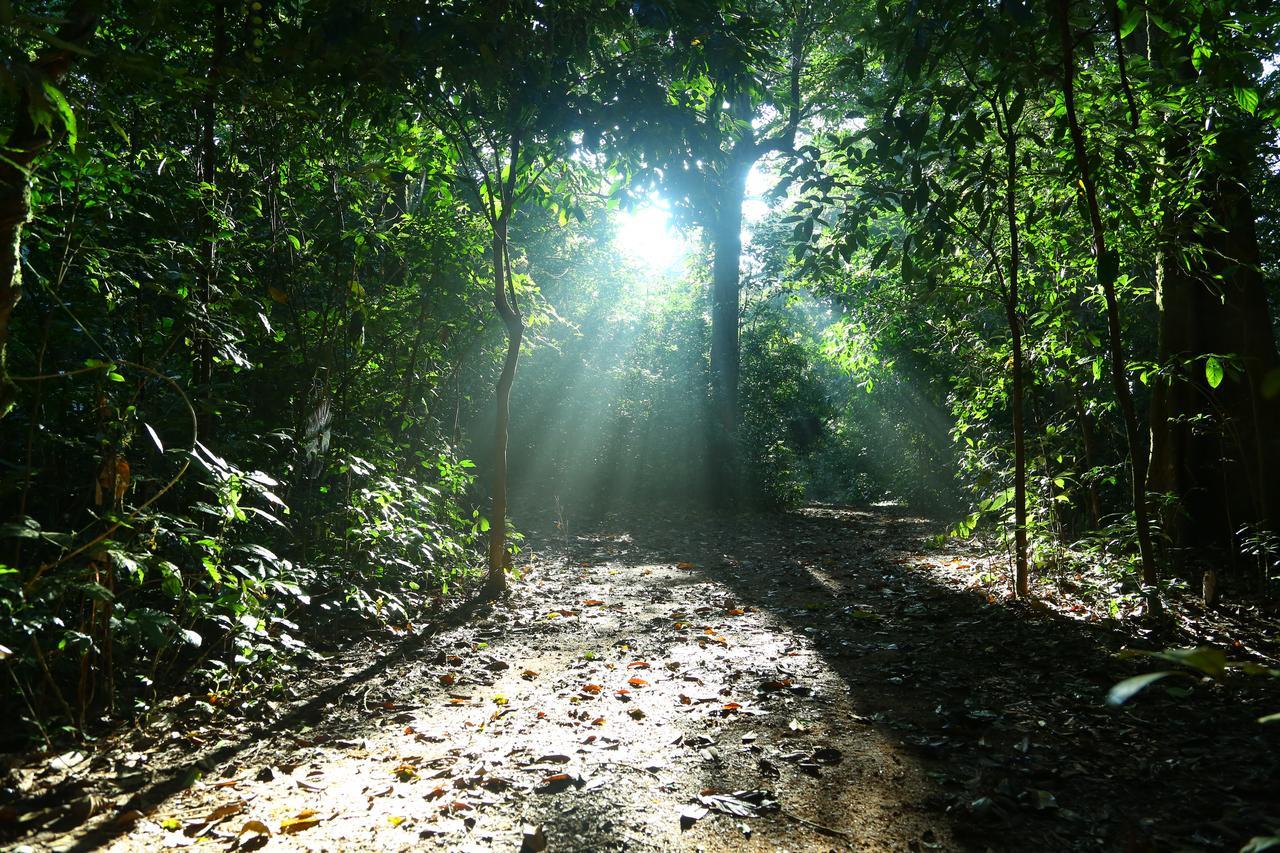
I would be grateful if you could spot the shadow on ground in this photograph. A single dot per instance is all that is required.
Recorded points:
(805, 681)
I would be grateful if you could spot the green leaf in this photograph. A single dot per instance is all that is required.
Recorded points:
(1130, 687)
(1209, 660)
(1213, 371)
(1259, 843)
(59, 103)
(295, 242)
(191, 637)
(1247, 99)
(154, 437)
(1132, 17)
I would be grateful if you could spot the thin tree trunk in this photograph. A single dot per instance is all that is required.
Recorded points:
(17, 160)
(209, 247)
(1093, 506)
(1106, 265)
(496, 583)
(725, 357)
(1022, 580)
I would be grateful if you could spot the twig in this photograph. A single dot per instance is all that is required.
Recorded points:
(825, 830)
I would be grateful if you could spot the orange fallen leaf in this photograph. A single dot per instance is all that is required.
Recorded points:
(637, 682)
(593, 602)
(529, 674)
(448, 679)
(685, 566)
(638, 664)
(305, 819)
(593, 689)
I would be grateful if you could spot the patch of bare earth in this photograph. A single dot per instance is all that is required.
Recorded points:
(809, 681)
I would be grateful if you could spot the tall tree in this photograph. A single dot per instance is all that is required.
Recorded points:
(1107, 267)
(1215, 415)
(711, 89)
(40, 115)
(508, 99)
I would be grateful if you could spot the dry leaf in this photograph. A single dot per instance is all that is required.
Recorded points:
(304, 819)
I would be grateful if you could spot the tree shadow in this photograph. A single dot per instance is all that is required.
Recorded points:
(173, 780)
(1000, 704)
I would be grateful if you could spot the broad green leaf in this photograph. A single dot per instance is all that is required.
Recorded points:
(1213, 371)
(1130, 687)
(68, 116)
(1247, 99)
(154, 437)
(1131, 19)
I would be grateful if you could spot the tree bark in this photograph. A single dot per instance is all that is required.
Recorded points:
(18, 159)
(496, 582)
(203, 367)
(1215, 449)
(1106, 267)
(1021, 576)
(726, 473)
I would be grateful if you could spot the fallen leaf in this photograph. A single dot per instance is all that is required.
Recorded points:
(637, 682)
(691, 815)
(304, 819)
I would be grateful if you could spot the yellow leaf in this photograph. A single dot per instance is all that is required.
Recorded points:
(304, 819)
(277, 294)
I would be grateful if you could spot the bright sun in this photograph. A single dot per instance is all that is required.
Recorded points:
(647, 235)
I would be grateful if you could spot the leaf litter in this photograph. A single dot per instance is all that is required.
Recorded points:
(824, 678)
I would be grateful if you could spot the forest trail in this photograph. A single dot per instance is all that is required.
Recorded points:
(818, 680)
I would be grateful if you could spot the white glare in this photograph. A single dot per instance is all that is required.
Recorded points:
(646, 235)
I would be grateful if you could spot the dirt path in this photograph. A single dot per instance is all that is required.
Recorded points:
(812, 681)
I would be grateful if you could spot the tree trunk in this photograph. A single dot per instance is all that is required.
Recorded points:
(1106, 266)
(18, 158)
(1215, 449)
(203, 367)
(726, 474)
(496, 583)
(1022, 581)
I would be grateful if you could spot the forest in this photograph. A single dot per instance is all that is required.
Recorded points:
(645, 425)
